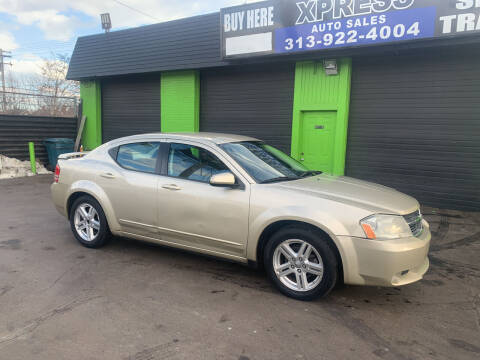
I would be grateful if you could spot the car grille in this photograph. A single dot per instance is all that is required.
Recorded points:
(414, 220)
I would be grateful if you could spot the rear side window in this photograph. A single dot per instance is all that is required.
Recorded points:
(193, 163)
(140, 157)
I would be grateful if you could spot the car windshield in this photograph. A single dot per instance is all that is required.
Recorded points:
(265, 163)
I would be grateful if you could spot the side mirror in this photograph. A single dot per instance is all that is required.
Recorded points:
(225, 179)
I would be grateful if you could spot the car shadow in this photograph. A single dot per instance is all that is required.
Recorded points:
(219, 269)
(148, 254)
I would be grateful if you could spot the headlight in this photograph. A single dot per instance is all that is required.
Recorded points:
(385, 227)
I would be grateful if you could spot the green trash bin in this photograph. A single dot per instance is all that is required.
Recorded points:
(56, 147)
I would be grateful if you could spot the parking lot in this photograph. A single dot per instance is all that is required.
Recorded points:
(132, 300)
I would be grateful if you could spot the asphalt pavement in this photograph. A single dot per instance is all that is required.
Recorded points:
(132, 300)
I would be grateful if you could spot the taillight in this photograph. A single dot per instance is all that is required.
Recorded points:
(57, 173)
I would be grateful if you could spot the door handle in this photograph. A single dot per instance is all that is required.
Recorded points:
(108, 176)
(172, 187)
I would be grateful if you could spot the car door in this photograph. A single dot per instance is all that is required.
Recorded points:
(195, 214)
(132, 185)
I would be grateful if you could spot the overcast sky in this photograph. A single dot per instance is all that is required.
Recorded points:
(32, 29)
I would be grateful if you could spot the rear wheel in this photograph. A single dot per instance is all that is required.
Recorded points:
(301, 263)
(88, 222)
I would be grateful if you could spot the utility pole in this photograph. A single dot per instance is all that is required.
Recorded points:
(4, 54)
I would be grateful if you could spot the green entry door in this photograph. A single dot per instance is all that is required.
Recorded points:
(318, 140)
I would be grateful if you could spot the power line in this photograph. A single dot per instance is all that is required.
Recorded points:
(43, 51)
(47, 53)
(44, 41)
(138, 11)
(32, 54)
(44, 47)
(43, 95)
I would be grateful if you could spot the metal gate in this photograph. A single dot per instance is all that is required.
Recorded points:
(415, 125)
(130, 105)
(254, 101)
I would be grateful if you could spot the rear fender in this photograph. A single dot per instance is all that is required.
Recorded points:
(96, 192)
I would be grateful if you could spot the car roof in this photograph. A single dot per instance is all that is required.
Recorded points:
(217, 138)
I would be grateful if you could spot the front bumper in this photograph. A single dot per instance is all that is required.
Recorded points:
(385, 262)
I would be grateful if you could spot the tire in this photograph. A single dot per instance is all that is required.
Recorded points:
(93, 233)
(303, 278)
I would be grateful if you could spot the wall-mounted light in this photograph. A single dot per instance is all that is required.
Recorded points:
(330, 67)
(106, 22)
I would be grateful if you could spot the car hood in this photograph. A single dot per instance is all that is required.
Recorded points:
(370, 196)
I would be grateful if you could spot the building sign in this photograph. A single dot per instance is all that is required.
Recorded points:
(292, 26)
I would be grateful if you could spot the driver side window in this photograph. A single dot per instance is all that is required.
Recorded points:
(193, 163)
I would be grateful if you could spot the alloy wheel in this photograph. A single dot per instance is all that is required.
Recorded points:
(298, 265)
(87, 222)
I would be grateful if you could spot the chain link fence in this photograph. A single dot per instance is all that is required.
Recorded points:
(19, 103)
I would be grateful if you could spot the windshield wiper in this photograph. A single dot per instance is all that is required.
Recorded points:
(310, 173)
(280, 178)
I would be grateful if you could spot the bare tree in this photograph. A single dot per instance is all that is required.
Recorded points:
(45, 94)
(54, 85)
(16, 102)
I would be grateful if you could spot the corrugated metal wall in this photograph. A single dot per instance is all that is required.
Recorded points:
(16, 131)
(415, 125)
(249, 100)
(130, 106)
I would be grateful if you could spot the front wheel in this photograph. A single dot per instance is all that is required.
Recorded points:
(88, 222)
(301, 263)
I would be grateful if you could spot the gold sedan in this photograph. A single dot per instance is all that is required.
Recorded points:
(238, 198)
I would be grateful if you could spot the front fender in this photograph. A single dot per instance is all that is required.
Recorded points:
(313, 217)
(96, 192)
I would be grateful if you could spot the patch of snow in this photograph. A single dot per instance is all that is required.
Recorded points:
(13, 168)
